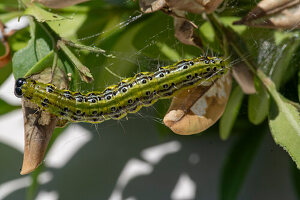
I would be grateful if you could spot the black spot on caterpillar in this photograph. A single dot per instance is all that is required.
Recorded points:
(128, 96)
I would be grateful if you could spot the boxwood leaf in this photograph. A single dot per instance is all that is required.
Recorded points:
(39, 46)
(284, 121)
(231, 112)
(40, 14)
(258, 105)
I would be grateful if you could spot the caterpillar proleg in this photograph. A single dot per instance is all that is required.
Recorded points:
(128, 96)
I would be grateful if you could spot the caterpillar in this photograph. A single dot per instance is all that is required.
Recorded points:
(128, 96)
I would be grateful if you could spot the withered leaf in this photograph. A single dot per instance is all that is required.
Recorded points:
(244, 77)
(193, 6)
(39, 124)
(194, 110)
(5, 58)
(283, 14)
(184, 28)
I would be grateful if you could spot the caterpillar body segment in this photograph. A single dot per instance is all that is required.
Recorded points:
(128, 96)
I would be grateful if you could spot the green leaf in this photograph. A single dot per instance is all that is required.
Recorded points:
(284, 121)
(258, 105)
(282, 70)
(228, 21)
(278, 68)
(238, 162)
(5, 72)
(5, 107)
(41, 64)
(39, 46)
(231, 112)
(40, 14)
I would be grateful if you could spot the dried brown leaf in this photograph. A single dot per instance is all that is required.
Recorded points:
(184, 28)
(39, 124)
(274, 14)
(244, 77)
(193, 6)
(194, 110)
(149, 6)
(6, 58)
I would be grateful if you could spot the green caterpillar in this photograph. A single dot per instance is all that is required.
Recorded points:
(128, 96)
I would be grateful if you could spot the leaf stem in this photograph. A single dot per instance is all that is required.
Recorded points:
(54, 65)
(88, 48)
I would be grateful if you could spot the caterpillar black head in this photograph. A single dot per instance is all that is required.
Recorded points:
(19, 83)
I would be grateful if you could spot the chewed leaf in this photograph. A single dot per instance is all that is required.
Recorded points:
(185, 30)
(58, 79)
(194, 110)
(39, 125)
(41, 15)
(274, 14)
